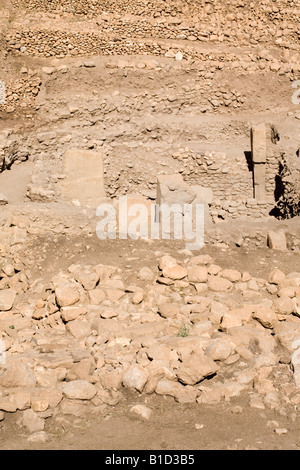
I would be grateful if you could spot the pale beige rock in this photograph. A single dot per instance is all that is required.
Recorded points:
(111, 378)
(277, 240)
(214, 269)
(32, 422)
(198, 274)
(157, 370)
(7, 299)
(175, 272)
(218, 350)
(142, 411)
(288, 333)
(39, 405)
(231, 274)
(196, 368)
(182, 394)
(82, 370)
(172, 189)
(88, 280)
(84, 178)
(79, 328)
(138, 297)
(236, 317)
(53, 396)
(146, 274)
(39, 437)
(266, 317)
(96, 296)
(135, 377)
(8, 405)
(201, 260)
(114, 295)
(211, 397)
(66, 296)
(22, 399)
(169, 310)
(17, 374)
(257, 339)
(289, 292)
(166, 261)
(219, 284)
(79, 390)
(73, 408)
(71, 313)
(284, 306)
(276, 277)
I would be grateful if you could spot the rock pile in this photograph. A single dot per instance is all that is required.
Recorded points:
(190, 330)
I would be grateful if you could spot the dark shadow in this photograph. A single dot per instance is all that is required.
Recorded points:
(248, 156)
(278, 193)
(279, 187)
(276, 212)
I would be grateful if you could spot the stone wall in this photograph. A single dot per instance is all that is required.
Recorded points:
(218, 21)
(231, 179)
(58, 43)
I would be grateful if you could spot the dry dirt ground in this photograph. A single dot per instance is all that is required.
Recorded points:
(172, 427)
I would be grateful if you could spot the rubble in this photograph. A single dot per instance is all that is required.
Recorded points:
(89, 364)
(159, 102)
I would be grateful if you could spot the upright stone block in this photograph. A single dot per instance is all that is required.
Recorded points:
(259, 143)
(277, 240)
(84, 178)
(259, 159)
(172, 189)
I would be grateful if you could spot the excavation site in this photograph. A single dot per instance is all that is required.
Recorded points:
(150, 225)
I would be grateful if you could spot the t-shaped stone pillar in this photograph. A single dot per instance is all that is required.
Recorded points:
(259, 159)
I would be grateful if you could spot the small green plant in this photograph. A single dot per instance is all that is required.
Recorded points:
(183, 331)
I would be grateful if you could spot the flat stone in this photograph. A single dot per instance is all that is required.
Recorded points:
(32, 422)
(219, 284)
(175, 272)
(66, 296)
(79, 390)
(196, 368)
(135, 377)
(198, 274)
(7, 298)
(84, 178)
(277, 240)
(17, 374)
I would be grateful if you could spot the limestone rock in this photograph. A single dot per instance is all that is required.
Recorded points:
(219, 284)
(66, 296)
(7, 298)
(17, 374)
(79, 390)
(196, 368)
(175, 272)
(83, 169)
(198, 274)
(135, 377)
(32, 421)
(277, 240)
